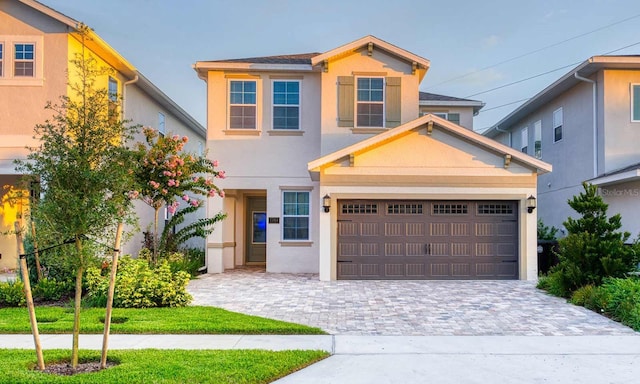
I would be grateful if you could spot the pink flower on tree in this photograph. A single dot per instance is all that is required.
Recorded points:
(185, 197)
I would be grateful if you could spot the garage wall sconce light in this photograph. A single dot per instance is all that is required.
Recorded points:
(326, 203)
(531, 203)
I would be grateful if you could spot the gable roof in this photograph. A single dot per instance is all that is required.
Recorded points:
(566, 82)
(309, 61)
(433, 99)
(463, 133)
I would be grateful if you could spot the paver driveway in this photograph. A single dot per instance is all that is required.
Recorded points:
(430, 308)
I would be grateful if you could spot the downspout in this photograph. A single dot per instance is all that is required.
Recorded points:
(124, 92)
(595, 122)
(509, 132)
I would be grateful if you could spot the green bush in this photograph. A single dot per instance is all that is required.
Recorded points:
(623, 300)
(12, 294)
(51, 290)
(595, 247)
(554, 284)
(139, 286)
(189, 260)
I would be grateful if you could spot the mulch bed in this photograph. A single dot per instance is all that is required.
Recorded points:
(65, 369)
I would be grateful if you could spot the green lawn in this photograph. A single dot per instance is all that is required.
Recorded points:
(186, 320)
(162, 366)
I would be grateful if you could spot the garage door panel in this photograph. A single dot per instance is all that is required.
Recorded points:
(427, 240)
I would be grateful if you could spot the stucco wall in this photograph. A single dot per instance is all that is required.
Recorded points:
(571, 157)
(624, 199)
(621, 135)
(379, 64)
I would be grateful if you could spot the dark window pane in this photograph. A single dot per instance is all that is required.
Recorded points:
(249, 86)
(23, 69)
(376, 83)
(249, 98)
(636, 102)
(557, 133)
(279, 98)
(293, 87)
(279, 86)
(293, 99)
(259, 227)
(236, 86)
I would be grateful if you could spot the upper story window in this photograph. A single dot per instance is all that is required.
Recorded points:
(557, 125)
(162, 129)
(24, 60)
(524, 139)
(452, 117)
(370, 102)
(1, 61)
(537, 139)
(635, 102)
(242, 104)
(113, 98)
(286, 104)
(295, 215)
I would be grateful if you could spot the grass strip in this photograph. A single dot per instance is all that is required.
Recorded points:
(162, 366)
(185, 320)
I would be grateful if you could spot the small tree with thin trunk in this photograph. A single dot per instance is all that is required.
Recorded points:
(167, 176)
(82, 164)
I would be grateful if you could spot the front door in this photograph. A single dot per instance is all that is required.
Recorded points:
(256, 230)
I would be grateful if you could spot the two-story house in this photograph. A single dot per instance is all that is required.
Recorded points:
(587, 124)
(36, 45)
(332, 170)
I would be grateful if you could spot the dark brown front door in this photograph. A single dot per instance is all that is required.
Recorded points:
(389, 239)
(256, 230)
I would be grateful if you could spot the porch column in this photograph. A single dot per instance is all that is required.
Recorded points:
(214, 251)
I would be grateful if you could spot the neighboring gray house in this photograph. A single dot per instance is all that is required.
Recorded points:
(587, 125)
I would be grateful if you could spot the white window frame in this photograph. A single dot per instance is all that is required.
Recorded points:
(274, 105)
(229, 104)
(16, 61)
(558, 123)
(634, 101)
(537, 139)
(3, 53)
(383, 102)
(8, 60)
(308, 215)
(162, 124)
(524, 140)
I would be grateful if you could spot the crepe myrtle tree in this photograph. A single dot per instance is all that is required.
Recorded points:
(81, 163)
(168, 176)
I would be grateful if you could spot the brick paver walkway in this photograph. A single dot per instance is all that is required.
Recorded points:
(430, 308)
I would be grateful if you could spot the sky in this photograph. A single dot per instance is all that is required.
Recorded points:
(474, 46)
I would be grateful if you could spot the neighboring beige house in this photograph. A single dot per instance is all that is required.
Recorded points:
(331, 170)
(454, 109)
(36, 43)
(587, 124)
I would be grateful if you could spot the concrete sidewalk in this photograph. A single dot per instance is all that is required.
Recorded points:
(412, 359)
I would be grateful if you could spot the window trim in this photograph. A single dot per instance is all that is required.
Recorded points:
(524, 140)
(274, 105)
(2, 59)
(308, 216)
(356, 101)
(256, 128)
(8, 60)
(537, 139)
(632, 88)
(162, 124)
(561, 125)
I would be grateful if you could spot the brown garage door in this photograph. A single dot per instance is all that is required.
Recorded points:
(390, 239)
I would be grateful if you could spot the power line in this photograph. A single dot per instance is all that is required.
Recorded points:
(534, 51)
(547, 72)
(503, 105)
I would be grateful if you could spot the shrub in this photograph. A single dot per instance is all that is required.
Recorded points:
(12, 294)
(139, 286)
(545, 232)
(594, 248)
(189, 260)
(51, 290)
(554, 284)
(623, 300)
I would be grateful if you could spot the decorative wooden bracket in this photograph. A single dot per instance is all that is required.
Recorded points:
(325, 66)
(370, 49)
(429, 127)
(414, 68)
(507, 160)
(352, 159)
